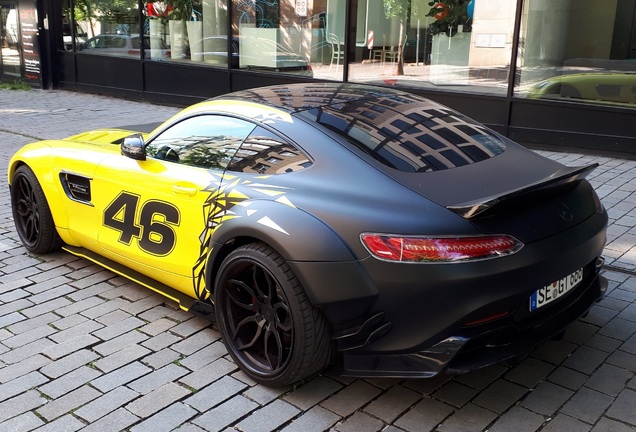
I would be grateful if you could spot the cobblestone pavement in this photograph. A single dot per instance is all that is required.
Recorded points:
(81, 348)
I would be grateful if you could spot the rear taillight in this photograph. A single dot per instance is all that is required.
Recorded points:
(440, 249)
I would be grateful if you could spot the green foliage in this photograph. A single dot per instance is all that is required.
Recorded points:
(448, 14)
(15, 85)
(186, 9)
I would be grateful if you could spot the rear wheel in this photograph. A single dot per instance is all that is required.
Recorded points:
(269, 326)
(31, 213)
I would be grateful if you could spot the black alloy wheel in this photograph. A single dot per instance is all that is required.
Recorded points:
(269, 326)
(31, 213)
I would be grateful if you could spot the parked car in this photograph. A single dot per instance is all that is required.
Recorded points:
(325, 221)
(597, 86)
(124, 45)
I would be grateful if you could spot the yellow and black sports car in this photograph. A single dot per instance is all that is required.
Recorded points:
(318, 222)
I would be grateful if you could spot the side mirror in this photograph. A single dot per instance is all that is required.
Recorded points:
(133, 147)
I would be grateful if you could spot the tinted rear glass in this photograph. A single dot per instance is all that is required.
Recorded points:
(410, 134)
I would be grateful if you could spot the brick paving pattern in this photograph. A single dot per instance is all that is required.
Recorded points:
(84, 349)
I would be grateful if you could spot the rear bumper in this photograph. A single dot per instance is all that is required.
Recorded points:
(478, 347)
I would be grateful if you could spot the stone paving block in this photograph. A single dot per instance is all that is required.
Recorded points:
(209, 373)
(52, 294)
(193, 325)
(119, 328)
(121, 358)
(586, 359)
(159, 326)
(579, 332)
(156, 379)
(205, 356)
(599, 316)
(104, 308)
(609, 379)
(69, 321)
(62, 349)
(90, 291)
(351, 398)
(13, 295)
(69, 363)
(388, 406)
(587, 405)
(21, 384)
(530, 372)
(29, 364)
(469, 418)
(26, 325)
(623, 408)
(425, 416)
(162, 358)
(500, 396)
(68, 402)
(360, 422)
(166, 420)
(225, 414)
(106, 404)
(120, 376)
(120, 342)
(603, 343)
(157, 399)
(618, 329)
(482, 378)
(607, 425)
(269, 417)
(42, 308)
(127, 290)
(10, 319)
(68, 423)
(26, 351)
(317, 419)
(566, 423)
(196, 341)
(189, 427)
(14, 306)
(79, 306)
(161, 341)
(81, 329)
(312, 392)
(139, 306)
(518, 420)
(25, 422)
(547, 398)
(90, 276)
(14, 285)
(456, 394)
(20, 404)
(113, 317)
(69, 382)
(263, 395)
(215, 393)
(28, 337)
(116, 421)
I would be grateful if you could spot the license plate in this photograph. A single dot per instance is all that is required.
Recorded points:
(555, 290)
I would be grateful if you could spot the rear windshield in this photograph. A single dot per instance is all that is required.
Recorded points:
(410, 134)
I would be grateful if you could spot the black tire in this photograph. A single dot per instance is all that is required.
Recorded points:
(268, 324)
(31, 213)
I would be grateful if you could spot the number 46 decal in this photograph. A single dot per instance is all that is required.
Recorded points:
(151, 224)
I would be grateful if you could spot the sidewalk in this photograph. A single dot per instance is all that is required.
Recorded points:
(84, 349)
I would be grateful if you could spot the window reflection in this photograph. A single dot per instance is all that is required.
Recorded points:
(574, 51)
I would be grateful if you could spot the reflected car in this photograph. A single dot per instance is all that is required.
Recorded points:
(272, 56)
(328, 222)
(123, 45)
(617, 88)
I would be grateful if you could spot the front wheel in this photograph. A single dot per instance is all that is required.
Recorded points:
(269, 327)
(31, 213)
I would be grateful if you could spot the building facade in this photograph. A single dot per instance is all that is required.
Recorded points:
(551, 73)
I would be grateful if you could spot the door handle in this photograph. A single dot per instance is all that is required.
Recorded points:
(185, 189)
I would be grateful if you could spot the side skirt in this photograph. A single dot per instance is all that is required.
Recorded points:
(185, 302)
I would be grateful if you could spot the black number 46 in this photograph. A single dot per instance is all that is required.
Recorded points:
(151, 225)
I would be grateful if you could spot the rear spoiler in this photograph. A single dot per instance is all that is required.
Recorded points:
(565, 175)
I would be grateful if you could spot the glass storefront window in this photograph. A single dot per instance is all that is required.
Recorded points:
(574, 50)
(10, 61)
(300, 37)
(451, 45)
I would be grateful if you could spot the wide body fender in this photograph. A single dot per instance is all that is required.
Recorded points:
(326, 267)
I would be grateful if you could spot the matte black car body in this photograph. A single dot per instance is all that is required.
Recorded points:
(383, 163)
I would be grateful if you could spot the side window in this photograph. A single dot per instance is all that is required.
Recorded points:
(264, 152)
(206, 141)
